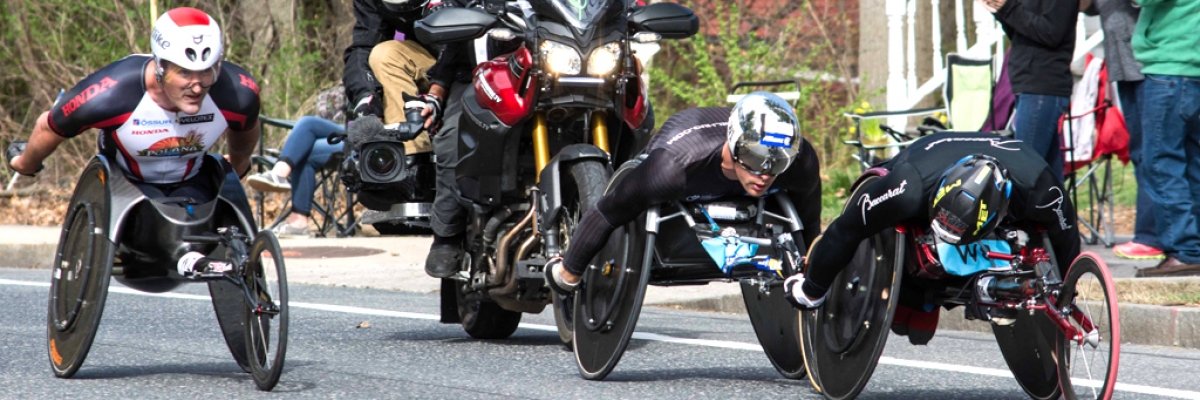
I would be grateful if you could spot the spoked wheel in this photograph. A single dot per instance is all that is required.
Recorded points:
(267, 315)
(1088, 367)
(844, 338)
(586, 186)
(777, 325)
(78, 287)
(610, 296)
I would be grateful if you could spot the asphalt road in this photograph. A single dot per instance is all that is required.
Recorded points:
(170, 346)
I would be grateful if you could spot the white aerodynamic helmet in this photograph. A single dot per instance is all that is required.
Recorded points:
(188, 38)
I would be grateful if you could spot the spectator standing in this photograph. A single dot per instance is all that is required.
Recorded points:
(1043, 40)
(1166, 43)
(1117, 19)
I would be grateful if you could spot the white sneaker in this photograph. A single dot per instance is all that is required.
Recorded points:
(269, 182)
(286, 230)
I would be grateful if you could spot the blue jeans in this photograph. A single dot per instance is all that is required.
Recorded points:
(1131, 103)
(1035, 121)
(1171, 155)
(307, 151)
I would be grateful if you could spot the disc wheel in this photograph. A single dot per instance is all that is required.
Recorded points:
(610, 296)
(1088, 368)
(265, 279)
(844, 338)
(78, 287)
(777, 325)
(584, 188)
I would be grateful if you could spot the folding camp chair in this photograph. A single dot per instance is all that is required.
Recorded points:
(332, 209)
(1094, 133)
(967, 95)
(793, 97)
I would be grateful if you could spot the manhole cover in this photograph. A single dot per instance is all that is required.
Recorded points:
(328, 252)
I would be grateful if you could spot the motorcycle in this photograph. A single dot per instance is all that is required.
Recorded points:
(541, 129)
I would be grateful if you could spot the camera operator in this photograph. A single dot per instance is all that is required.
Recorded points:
(400, 69)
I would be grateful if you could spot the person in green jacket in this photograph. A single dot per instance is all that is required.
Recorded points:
(1165, 41)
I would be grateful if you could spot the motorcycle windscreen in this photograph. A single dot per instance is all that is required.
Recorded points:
(580, 14)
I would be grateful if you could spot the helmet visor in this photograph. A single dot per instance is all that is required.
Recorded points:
(759, 159)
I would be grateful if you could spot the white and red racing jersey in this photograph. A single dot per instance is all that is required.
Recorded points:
(150, 143)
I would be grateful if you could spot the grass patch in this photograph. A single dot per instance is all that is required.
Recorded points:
(1159, 292)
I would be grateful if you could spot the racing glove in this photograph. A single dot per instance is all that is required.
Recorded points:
(795, 295)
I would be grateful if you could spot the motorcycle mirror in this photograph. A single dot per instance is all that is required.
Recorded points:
(670, 20)
(453, 25)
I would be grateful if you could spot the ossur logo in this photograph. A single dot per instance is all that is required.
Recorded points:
(151, 122)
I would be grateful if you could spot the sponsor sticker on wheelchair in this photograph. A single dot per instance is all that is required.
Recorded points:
(968, 259)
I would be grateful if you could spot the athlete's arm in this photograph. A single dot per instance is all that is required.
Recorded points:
(42, 143)
(658, 179)
(1050, 207)
(241, 145)
(882, 204)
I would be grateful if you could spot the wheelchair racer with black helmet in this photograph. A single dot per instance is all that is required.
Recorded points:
(960, 185)
(152, 209)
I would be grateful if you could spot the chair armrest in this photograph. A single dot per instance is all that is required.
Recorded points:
(282, 123)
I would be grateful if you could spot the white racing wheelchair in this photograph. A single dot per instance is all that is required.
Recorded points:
(113, 230)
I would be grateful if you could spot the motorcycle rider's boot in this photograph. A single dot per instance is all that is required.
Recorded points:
(444, 257)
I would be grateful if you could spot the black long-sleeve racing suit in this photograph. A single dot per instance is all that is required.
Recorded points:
(902, 197)
(684, 163)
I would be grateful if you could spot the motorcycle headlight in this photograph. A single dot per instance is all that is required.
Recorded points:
(560, 59)
(604, 59)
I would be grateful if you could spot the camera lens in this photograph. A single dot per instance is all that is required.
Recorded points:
(381, 161)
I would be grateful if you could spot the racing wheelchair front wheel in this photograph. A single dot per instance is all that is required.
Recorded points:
(78, 288)
(265, 281)
(609, 298)
(844, 338)
(1087, 368)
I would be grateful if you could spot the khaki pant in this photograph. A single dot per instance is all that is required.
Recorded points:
(400, 67)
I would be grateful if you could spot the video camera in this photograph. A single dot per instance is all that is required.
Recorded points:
(377, 155)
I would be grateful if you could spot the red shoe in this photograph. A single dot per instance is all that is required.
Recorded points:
(1138, 251)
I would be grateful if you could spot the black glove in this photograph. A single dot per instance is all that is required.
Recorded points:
(369, 105)
(426, 101)
(15, 149)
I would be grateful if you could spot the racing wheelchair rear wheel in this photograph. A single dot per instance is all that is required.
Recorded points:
(610, 295)
(1088, 369)
(267, 316)
(844, 338)
(79, 285)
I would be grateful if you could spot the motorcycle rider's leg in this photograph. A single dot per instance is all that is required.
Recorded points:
(449, 215)
(400, 67)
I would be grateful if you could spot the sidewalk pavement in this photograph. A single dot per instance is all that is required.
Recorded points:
(397, 263)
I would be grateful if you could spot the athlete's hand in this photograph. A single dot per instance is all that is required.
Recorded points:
(13, 154)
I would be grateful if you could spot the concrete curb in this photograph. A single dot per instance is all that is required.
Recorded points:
(1140, 324)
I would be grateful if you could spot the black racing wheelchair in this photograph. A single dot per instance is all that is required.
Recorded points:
(753, 235)
(113, 230)
(1060, 336)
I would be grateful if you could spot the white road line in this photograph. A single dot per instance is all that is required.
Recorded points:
(1183, 394)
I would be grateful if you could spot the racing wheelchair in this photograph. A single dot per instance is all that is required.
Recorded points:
(1063, 339)
(754, 238)
(112, 229)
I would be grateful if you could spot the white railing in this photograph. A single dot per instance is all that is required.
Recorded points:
(904, 89)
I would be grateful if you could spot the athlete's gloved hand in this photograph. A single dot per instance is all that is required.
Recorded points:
(795, 295)
(15, 149)
(431, 109)
(369, 105)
